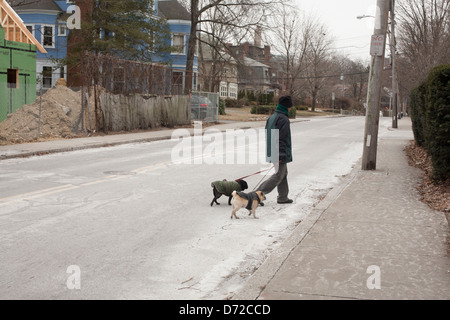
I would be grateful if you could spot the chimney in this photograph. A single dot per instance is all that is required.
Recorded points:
(267, 55)
(258, 37)
(246, 49)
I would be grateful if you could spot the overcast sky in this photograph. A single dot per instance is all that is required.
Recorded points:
(352, 36)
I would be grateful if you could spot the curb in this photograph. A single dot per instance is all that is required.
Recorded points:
(257, 282)
(82, 147)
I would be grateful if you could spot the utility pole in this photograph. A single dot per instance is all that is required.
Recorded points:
(377, 50)
(394, 69)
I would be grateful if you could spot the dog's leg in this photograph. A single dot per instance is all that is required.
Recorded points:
(233, 213)
(214, 193)
(229, 200)
(253, 211)
(214, 200)
(217, 195)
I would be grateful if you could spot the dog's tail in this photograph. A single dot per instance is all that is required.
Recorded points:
(233, 194)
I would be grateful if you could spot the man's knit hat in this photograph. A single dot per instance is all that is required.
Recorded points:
(285, 101)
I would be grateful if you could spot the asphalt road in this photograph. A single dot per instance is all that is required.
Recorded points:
(135, 222)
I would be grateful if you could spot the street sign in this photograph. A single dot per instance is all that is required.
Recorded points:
(377, 45)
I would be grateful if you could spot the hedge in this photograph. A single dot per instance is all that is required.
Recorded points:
(263, 109)
(430, 112)
(418, 115)
(271, 109)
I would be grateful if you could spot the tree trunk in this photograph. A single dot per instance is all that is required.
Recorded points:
(191, 47)
(314, 98)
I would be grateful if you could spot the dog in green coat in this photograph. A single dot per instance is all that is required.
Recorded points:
(226, 188)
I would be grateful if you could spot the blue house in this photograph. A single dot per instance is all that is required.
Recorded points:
(45, 19)
(179, 21)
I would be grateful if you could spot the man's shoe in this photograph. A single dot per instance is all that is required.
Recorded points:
(285, 201)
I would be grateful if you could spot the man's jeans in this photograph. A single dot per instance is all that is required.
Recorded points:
(279, 180)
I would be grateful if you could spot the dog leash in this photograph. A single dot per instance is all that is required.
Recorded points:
(268, 170)
(254, 174)
(260, 181)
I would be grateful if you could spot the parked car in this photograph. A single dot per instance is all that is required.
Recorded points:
(200, 107)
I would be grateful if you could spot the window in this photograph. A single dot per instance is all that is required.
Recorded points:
(62, 31)
(30, 28)
(178, 43)
(223, 89)
(47, 77)
(13, 78)
(233, 91)
(48, 36)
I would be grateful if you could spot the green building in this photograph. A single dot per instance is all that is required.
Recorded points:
(17, 62)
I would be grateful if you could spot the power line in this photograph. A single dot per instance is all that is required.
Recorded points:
(327, 76)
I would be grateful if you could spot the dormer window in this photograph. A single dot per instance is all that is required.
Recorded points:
(178, 43)
(62, 30)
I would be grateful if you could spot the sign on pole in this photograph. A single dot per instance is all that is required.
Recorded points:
(377, 45)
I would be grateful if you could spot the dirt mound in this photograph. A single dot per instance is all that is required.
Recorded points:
(60, 112)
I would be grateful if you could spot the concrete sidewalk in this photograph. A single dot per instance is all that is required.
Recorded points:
(370, 238)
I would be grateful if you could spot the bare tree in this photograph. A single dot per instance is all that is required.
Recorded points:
(290, 36)
(317, 57)
(424, 38)
(213, 51)
(356, 76)
(18, 3)
(238, 14)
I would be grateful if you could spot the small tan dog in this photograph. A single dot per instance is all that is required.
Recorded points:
(250, 201)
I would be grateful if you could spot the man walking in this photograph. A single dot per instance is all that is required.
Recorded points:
(279, 120)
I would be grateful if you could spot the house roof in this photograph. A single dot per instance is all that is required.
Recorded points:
(20, 5)
(208, 50)
(253, 63)
(14, 28)
(173, 10)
